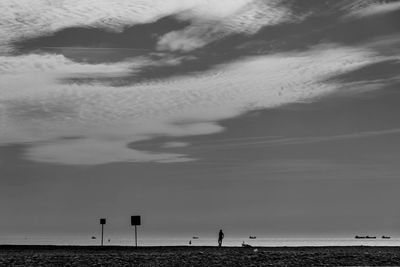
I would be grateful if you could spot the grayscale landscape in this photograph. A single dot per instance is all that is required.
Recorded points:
(274, 121)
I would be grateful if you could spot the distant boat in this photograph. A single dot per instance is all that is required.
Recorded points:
(252, 237)
(195, 237)
(365, 237)
(385, 237)
(93, 237)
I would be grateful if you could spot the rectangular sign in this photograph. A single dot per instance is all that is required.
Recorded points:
(102, 221)
(135, 220)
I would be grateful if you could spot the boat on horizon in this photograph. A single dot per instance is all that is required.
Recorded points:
(252, 237)
(385, 237)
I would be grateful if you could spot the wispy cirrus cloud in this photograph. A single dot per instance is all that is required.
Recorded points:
(53, 63)
(71, 112)
(247, 19)
(26, 19)
(375, 8)
(43, 112)
(261, 141)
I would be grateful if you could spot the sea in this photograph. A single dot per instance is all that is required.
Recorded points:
(206, 241)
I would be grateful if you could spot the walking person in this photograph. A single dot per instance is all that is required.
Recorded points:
(220, 237)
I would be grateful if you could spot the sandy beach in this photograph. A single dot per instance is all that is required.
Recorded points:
(197, 256)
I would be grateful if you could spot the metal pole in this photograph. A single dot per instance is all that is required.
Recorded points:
(102, 231)
(135, 236)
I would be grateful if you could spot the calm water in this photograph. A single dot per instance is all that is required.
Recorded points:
(268, 242)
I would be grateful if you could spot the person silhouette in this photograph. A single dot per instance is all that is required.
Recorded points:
(220, 237)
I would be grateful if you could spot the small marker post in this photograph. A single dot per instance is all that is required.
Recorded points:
(135, 235)
(102, 222)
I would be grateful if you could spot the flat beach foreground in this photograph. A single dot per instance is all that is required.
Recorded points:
(197, 256)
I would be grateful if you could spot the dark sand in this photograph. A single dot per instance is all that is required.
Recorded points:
(197, 256)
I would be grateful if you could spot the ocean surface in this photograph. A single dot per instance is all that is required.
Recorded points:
(267, 242)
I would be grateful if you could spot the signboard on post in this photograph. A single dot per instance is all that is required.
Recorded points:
(135, 221)
(102, 222)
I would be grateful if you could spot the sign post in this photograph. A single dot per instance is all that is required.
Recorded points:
(102, 222)
(135, 221)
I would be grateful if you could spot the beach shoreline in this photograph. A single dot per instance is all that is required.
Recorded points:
(54, 255)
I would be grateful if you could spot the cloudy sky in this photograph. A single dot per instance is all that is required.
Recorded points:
(272, 117)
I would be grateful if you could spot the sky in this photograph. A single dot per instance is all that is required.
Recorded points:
(261, 117)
